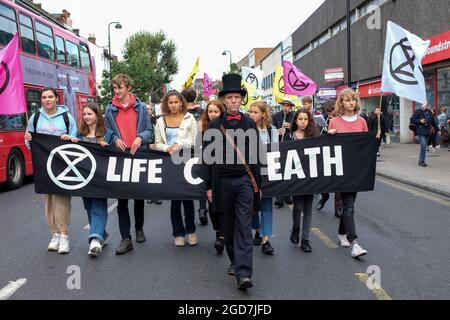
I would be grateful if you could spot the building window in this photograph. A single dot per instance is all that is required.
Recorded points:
(27, 35)
(33, 97)
(8, 26)
(73, 55)
(46, 47)
(443, 85)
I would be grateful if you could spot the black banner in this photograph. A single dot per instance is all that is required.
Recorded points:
(341, 163)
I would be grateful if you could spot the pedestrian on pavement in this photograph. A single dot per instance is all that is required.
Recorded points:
(53, 119)
(282, 121)
(379, 126)
(177, 130)
(425, 124)
(190, 95)
(153, 119)
(235, 185)
(93, 130)
(128, 118)
(214, 109)
(259, 112)
(348, 105)
(303, 127)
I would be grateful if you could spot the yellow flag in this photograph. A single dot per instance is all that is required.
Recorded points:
(278, 85)
(191, 77)
(251, 95)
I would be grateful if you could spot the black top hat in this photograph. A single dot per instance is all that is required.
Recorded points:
(232, 84)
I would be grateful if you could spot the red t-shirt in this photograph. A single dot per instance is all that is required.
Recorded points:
(126, 121)
(343, 126)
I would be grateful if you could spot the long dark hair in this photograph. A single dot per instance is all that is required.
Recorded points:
(311, 130)
(100, 129)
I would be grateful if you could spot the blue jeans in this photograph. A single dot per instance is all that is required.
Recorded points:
(97, 211)
(179, 230)
(423, 140)
(266, 218)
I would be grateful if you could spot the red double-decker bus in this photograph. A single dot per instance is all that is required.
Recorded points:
(51, 56)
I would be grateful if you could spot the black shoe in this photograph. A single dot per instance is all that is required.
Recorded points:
(219, 245)
(267, 248)
(150, 201)
(295, 236)
(279, 204)
(231, 270)
(289, 201)
(125, 246)
(245, 283)
(158, 202)
(423, 164)
(203, 216)
(320, 205)
(140, 236)
(257, 241)
(306, 246)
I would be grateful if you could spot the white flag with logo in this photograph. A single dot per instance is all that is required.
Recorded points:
(402, 70)
(254, 77)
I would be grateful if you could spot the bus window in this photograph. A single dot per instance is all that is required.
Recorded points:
(26, 34)
(73, 54)
(12, 122)
(61, 50)
(46, 48)
(85, 60)
(8, 26)
(33, 101)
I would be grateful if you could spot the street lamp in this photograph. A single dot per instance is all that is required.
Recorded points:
(231, 60)
(349, 46)
(118, 26)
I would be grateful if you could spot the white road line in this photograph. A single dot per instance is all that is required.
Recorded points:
(113, 206)
(12, 287)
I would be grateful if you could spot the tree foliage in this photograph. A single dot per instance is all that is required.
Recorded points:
(149, 59)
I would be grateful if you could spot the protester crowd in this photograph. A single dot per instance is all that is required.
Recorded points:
(235, 204)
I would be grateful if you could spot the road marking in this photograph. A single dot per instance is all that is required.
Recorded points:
(416, 193)
(377, 291)
(113, 206)
(12, 287)
(328, 242)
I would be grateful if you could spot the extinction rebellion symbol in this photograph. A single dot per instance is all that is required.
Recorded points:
(281, 85)
(3, 86)
(72, 155)
(295, 82)
(245, 100)
(252, 79)
(404, 73)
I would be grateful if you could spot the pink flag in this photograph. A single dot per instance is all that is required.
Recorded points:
(12, 98)
(207, 86)
(296, 83)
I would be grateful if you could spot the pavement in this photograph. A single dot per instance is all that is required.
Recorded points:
(399, 162)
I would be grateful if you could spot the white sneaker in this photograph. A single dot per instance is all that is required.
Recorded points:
(344, 242)
(54, 243)
(64, 244)
(95, 248)
(192, 239)
(357, 251)
(180, 242)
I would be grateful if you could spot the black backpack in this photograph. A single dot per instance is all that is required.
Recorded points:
(65, 117)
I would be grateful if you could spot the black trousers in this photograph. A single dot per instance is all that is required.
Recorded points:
(124, 217)
(237, 197)
(215, 219)
(347, 224)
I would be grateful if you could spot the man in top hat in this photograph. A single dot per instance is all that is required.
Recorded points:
(230, 186)
(282, 121)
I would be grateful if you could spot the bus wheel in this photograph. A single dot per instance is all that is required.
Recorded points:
(15, 170)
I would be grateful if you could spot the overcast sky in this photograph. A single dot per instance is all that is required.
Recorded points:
(198, 27)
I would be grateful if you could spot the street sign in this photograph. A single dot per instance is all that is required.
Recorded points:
(334, 74)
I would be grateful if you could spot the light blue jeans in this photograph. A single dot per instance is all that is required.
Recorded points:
(266, 224)
(423, 140)
(97, 211)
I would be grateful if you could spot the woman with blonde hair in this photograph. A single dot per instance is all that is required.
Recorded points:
(348, 121)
